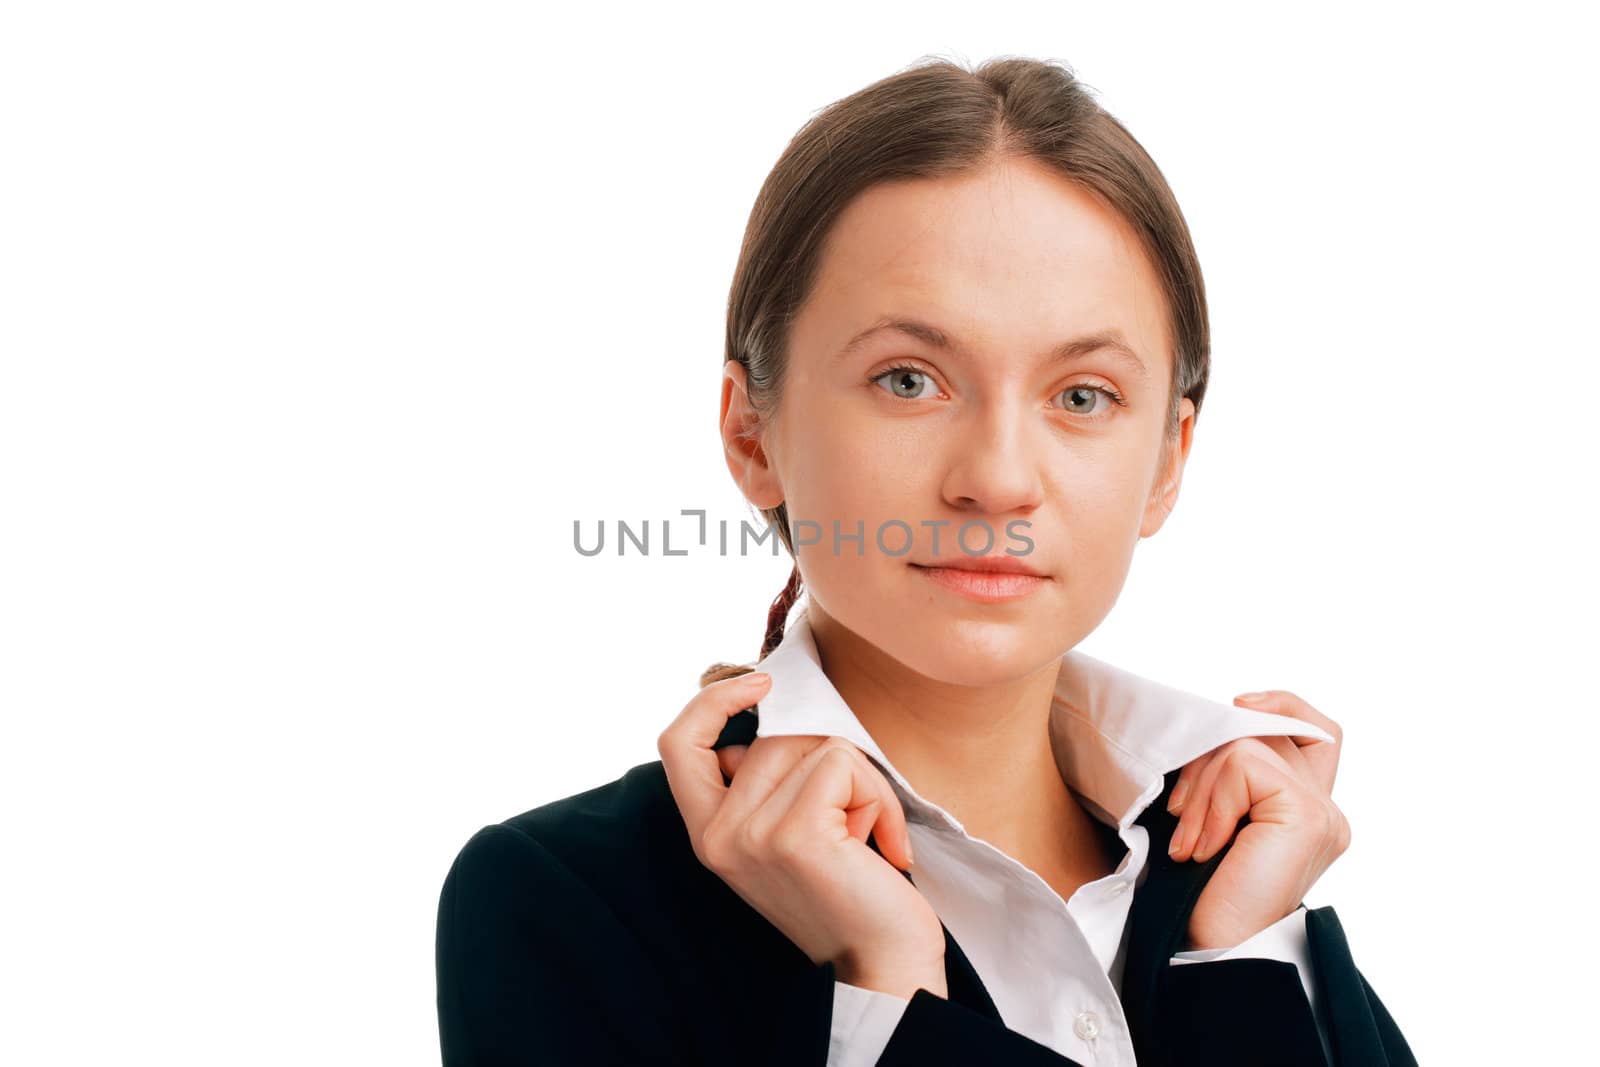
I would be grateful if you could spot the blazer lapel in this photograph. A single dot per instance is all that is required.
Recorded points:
(1158, 920)
(961, 979)
(962, 983)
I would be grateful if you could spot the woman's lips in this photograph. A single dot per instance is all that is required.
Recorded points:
(989, 587)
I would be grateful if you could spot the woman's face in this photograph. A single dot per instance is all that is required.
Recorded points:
(990, 418)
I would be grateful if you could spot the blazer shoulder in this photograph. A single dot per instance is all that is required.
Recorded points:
(618, 836)
(636, 806)
(549, 946)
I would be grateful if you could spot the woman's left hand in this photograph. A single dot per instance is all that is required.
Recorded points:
(1295, 830)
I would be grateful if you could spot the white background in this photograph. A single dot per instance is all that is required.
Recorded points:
(322, 322)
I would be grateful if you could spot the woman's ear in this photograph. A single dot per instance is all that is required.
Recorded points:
(742, 432)
(1164, 494)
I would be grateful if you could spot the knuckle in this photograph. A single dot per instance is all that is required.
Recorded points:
(1254, 746)
(746, 840)
(786, 844)
(1240, 746)
(1228, 758)
(1330, 724)
(1223, 816)
(836, 744)
(713, 851)
(839, 752)
(1332, 817)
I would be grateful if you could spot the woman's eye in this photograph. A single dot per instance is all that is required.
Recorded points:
(912, 383)
(1080, 399)
(907, 383)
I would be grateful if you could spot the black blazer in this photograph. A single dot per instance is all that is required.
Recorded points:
(586, 931)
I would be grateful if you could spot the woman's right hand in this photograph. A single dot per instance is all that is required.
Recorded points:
(788, 835)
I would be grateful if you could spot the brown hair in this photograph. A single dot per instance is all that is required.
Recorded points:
(935, 119)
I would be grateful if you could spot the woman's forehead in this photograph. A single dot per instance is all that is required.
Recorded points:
(999, 260)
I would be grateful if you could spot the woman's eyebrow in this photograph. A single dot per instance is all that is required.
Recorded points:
(1108, 340)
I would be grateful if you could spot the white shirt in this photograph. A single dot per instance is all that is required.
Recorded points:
(1052, 967)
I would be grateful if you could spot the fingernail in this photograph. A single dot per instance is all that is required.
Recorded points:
(1175, 802)
(1200, 848)
(758, 677)
(1172, 846)
(1251, 698)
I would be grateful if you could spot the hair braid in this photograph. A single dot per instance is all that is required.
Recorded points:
(777, 618)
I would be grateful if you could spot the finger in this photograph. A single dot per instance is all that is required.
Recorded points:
(1285, 747)
(853, 786)
(1194, 806)
(691, 764)
(1322, 756)
(730, 757)
(1244, 780)
(774, 803)
(1193, 810)
(1294, 755)
(1191, 822)
(1184, 786)
(870, 804)
(762, 770)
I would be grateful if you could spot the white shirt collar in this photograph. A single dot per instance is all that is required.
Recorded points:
(1115, 734)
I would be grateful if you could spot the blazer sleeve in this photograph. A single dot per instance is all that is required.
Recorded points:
(1255, 1011)
(533, 968)
(1285, 940)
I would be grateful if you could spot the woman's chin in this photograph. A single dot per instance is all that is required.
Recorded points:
(963, 650)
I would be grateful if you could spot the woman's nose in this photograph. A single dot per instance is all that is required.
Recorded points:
(994, 467)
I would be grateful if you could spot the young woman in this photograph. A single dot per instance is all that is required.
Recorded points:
(967, 346)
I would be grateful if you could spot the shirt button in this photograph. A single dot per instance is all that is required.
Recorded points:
(1086, 1025)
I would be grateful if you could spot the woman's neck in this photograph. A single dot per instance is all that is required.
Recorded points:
(982, 754)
